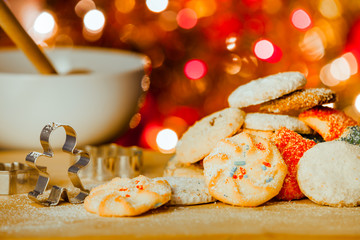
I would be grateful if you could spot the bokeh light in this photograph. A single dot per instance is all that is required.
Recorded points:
(357, 103)
(202, 8)
(301, 19)
(44, 23)
(231, 43)
(330, 8)
(327, 78)
(195, 69)
(124, 6)
(84, 6)
(94, 20)
(166, 140)
(186, 18)
(340, 69)
(264, 49)
(157, 5)
(313, 44)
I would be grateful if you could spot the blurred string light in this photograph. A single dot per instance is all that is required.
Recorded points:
(84, 6)
(195, 69)
(166, 140)
(167, 21)
(267, 51)
(94, 20)
(301, 19)
(202, 8)
(186, 18)
(357, 103)
(330, 8)
(124, 6)
(313, 44)
(231, 42)
(44, 23)
(157, 5)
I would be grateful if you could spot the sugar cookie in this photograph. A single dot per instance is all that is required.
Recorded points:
(266, 89)
(329, 174)
(127, 197)
(188, 191)
(272, 122)
(201, 138)
(300, 99)
(351, 135)
(328, 122)
(292, 146)
(244, 170)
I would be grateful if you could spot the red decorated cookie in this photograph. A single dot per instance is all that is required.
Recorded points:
(328, 122)
(292, 146)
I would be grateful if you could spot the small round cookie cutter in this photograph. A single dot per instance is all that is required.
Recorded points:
(111, 160)
(16, 178)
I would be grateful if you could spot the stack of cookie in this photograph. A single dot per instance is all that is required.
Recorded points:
(247, 159)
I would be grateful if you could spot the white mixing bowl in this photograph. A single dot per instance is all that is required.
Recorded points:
(98, 104)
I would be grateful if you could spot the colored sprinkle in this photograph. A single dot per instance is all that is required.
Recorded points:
(240, 163)
(246, 176)
(260, 146)
(123, 189)
(247, 147)
(137, 181)
(127, 195)
(267, 164)
(241, 176)
(234, 176)
(263, 167)
(242, 171)
(140, 187)
(232, 171)
(269, 179)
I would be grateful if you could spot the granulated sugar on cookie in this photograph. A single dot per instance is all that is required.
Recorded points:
(266, 89)
(272, 122)
(188, 191)
(202, 137)
(329, 174)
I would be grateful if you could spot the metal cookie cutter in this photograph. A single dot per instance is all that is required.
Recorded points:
(17, 178)
(111, 160)
(57, 193)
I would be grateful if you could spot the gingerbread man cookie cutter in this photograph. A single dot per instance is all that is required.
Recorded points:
(58, 193)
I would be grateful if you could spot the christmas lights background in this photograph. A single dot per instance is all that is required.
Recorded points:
(201, 50)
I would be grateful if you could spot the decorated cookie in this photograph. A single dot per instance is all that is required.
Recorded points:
(266, 89)
(329, 174)
(188, 191)
(127, 197)
(244, 170)
(292, 147)
(328, 122)
(298, 100)
(202, 137)
(351, 135)
(272, 122)
(177, 169)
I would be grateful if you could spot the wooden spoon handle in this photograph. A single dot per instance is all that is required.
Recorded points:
(19, 36)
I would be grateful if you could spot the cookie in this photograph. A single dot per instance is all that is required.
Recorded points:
(188, 191)
(329, 174)
(299, 100)
(177, 169)
(351, 135)
(292, 146)
(127, 197)
(202, 137)
(328, 122)
(266, 89)
(260, 133)
(272, 122)
(244, 170)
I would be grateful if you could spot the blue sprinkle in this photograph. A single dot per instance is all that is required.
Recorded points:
(263, 167)
(240, 163)
(232, 171)
(247, 147)
(269, 179)
(246, 176)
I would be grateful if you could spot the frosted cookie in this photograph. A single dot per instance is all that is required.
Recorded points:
(188, 191)
(329, 174)
(127, 197)
(351, 135)
(328, 122)
(177, 169)
(266, 89)
(200, 138)
(260, 133)
(298, 100)
(244, 170)
(272, 122)
(292, 146)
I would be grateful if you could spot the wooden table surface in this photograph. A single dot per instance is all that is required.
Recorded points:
(21, 218)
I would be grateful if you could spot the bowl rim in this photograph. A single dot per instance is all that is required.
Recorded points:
(145, 66)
